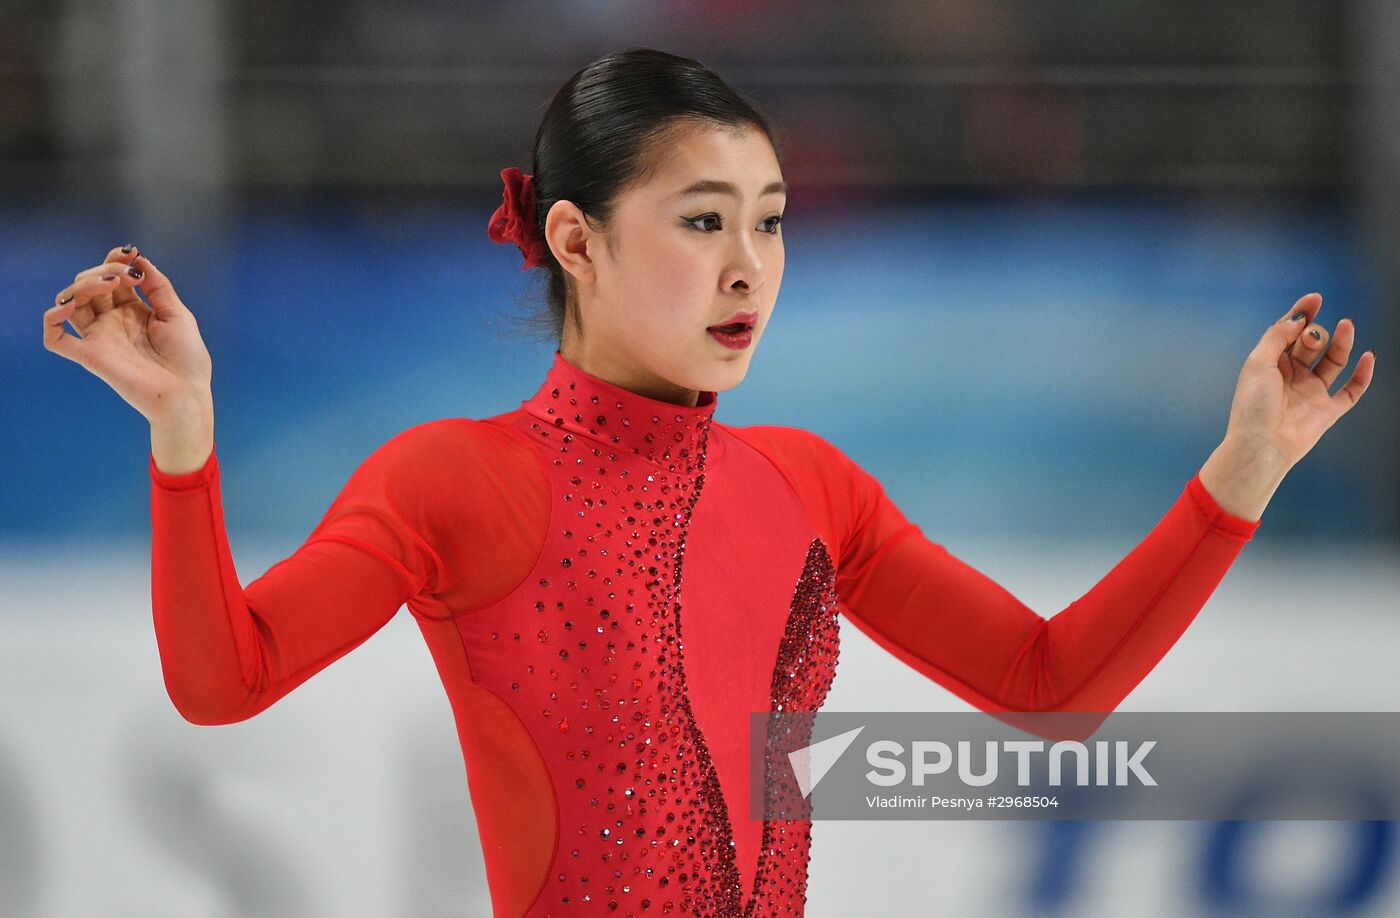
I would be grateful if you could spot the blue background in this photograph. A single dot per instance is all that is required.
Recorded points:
(1003, 366)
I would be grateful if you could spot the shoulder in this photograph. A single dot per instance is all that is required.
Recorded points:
(472, 491)
(450, 461)
(447, 446)
(848, 503)
(795, 442)
(821, 471)
(836, 491)
(794, 450)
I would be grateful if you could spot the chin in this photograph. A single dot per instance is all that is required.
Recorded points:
(733, 371)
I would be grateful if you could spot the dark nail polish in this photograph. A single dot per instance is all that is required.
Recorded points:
(108, 277)
(126, 249)
(1296, 316)
(1316, 335)
(66, 299)
(138, 274)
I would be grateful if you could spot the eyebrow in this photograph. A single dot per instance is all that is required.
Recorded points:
(709, 186)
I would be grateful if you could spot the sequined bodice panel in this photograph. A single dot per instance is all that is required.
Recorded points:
(681, 585)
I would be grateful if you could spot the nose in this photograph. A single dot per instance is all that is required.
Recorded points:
(746, 270)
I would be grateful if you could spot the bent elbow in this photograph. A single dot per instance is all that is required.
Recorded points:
(209, 712)
(202, 716)
(1055, 725)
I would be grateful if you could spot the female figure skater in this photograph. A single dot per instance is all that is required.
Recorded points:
(610, 579)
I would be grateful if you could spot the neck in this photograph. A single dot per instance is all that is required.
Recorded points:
(573, 402)
(631, 378)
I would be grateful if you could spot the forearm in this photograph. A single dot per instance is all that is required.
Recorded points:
(1242, 478)
(209, 648)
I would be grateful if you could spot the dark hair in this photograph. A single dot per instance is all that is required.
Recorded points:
(607, 127)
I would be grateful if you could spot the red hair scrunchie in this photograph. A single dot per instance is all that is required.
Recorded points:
(514, 220)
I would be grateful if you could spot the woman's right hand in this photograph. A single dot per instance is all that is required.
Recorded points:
(154, 358)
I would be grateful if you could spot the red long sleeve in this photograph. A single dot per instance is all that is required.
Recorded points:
(417, 522)
(228, 652)
(959, 627)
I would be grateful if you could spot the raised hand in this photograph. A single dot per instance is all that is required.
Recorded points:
(153, 357)
(1282, 402)
(1283, 405)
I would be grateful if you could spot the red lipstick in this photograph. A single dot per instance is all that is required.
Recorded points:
(736, 331)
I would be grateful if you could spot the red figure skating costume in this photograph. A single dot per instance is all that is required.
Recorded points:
(609, 585)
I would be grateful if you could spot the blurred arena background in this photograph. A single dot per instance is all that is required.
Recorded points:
(1029, 245)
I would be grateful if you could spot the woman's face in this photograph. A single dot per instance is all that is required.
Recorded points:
(677, 261)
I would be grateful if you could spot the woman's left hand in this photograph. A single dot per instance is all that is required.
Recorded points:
(1282, 406)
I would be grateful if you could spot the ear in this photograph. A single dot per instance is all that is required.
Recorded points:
(569, 236)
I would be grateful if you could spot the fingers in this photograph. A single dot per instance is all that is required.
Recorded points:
(93, 291)
(159, 291)
(1306, 341)
(119, 295)
(1310, 342)
(1309, 304)
(1335, 358)
(1309, 345)
(56, 338)
(120, 268)
(118, 281)
(1347, 396)
(125, 254)
(1280, 336)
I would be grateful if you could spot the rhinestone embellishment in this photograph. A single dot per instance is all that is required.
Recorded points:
(643, 824)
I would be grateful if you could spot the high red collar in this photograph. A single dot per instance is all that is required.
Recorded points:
(663, 433)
